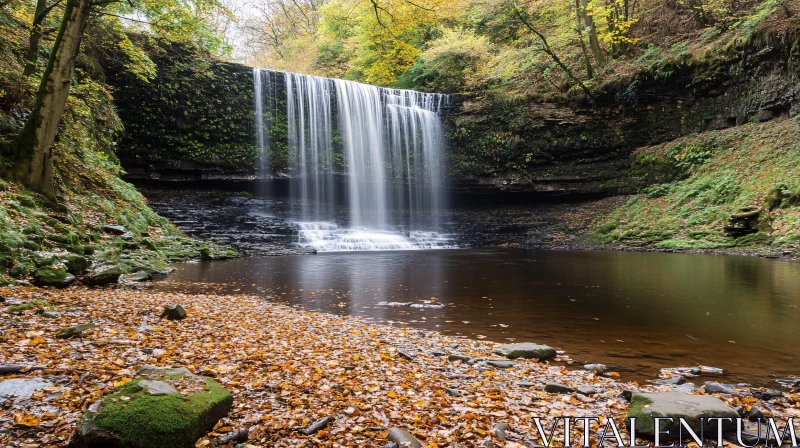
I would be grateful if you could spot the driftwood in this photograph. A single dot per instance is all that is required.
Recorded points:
(9, 369)
(317, 426)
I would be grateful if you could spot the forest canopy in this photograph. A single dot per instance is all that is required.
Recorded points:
(533, 47)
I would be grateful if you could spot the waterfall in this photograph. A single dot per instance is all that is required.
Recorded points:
(382, 150)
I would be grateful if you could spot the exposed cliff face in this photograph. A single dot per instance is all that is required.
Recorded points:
(195, 122)
(560, 149)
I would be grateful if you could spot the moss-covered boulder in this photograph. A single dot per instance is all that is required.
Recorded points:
(694, 409)
(160, 408)
(76, 264)
(103, 276)
(58, 277)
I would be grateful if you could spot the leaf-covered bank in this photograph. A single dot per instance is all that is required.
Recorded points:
(288, 369)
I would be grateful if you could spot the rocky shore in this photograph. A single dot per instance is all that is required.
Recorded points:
(304, 379)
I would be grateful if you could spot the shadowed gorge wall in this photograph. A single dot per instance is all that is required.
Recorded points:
(195, 121)
(525, 146)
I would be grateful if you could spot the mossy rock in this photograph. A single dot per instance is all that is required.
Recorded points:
(694, 409)
(103, 276)
(162, 408)
(58, 277)
(76, 264)
(69, 332)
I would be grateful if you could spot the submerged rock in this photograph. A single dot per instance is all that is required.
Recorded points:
(160, 408)
(56, 277)
(646, 406)
(526, 350)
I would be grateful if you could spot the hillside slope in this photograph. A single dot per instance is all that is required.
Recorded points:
(738, 188)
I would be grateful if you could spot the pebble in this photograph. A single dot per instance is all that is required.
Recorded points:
(597, 368)
(502, 364)
(674, 381)
(405, 355)
(459, 357)
(499, 430)
(454, 392)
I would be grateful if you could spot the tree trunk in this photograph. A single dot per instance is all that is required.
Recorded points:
(33, 147)
(36, 36)
(579, 25)
(594, 42)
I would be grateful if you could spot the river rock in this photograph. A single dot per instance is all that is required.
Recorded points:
(103, 276)
(459, 357)
(403, 438)
(499, 431)
(174, 312)
(140, 276)
(599, 369)
(70, 332)
(502, 364)
(556, 388)
(50, 276)
(526, 350)
(714, 387)
(22, 388)
(76, 264)
(585, 390)
(674, 381)
(646, 406)
(115, 230)
(151, 412)
(42, 258)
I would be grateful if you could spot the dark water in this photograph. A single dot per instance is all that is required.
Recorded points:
(636, 312)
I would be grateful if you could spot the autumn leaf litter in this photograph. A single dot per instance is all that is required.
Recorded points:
(287, 369)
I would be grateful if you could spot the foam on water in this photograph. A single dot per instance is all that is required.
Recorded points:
(329, 237)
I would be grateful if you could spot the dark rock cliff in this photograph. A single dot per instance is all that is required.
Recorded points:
(559, 149)
(195, 122)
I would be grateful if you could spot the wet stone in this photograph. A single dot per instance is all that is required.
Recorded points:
(502, 364)
(597, 368)
(454, 392)
(586, 390)
(526, 350)
(458, 357)
(674, 381)
(714, 387)
(556, 388)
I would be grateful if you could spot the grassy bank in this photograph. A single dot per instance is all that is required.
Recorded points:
(286, 369)
(694, 185)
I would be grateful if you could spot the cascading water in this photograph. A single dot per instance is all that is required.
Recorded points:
(380, 149)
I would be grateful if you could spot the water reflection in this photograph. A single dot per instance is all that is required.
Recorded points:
(635, 311)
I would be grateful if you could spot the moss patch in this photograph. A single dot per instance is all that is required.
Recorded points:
(174, 420)
(704, 179)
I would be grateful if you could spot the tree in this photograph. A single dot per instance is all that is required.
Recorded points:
(33, 147)
(37, 32)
